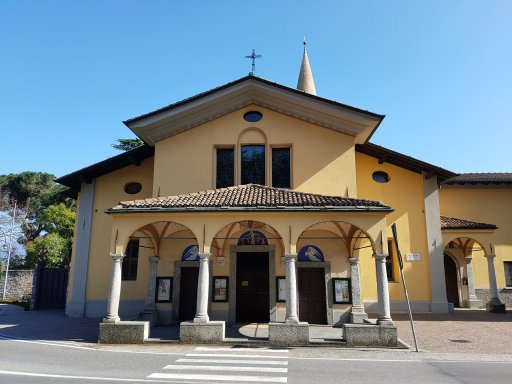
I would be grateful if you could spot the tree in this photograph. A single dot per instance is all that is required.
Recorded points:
(46, 216)
(127, 144)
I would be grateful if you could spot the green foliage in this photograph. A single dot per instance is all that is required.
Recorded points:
(51, 250)
(33, 193)
(127, 144)
(47, 217)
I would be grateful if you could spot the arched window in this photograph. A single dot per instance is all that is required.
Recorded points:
(130, 261)
(253, 238)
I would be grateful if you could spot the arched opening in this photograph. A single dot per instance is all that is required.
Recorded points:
(325, 298)
(176, 272)
(451, 281)
(246, 252)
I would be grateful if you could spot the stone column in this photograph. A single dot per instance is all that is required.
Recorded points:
(494, 305)
(291, 289)
(382, 289)
(115, 289)
(357, 314)
(202, 288)
(473, 301)
(150, 298)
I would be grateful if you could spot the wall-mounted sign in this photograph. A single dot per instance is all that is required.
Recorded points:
(310, 253)
(341, 291)
(281, 288)
(412, 257)
(220, 288)
(191, 253)
(163, 289)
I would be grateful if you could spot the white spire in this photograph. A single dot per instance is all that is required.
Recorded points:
(306, 82)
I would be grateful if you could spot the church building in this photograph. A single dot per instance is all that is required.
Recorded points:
(255, 202)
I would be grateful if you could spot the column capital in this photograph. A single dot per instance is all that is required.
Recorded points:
(290, 256)
(468, 259)
(380, 256)
(204, 255)
(490, 256)
(154, 259)
(354, 260)
(117, 256)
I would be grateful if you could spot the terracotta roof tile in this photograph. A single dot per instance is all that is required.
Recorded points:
(481, 178)
(253, 197)
(454, 223)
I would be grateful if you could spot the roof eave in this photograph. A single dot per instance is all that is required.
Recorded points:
(248, 209)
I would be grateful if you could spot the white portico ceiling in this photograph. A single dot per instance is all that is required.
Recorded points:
(210, 105)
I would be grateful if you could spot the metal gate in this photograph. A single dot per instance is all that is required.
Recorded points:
(51, 288)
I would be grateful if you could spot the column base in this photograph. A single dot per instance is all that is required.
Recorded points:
(201, 319)
(210, 332)
(358, 317)
(111, 320)
(495, 306)
(288, 334)
(385, 322)
(149, 315)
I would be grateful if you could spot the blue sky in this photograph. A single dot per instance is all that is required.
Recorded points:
(72, 71)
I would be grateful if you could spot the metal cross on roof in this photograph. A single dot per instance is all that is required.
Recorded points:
(253, 56)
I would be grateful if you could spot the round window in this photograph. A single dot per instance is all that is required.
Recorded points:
(380, 177)
(133, 188)
(253, 116)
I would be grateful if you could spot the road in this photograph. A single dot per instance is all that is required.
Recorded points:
(24, 361)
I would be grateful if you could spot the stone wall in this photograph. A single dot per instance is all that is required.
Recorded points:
(19, 284)
(505, 295)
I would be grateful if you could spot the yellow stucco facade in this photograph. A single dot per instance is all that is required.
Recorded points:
(329, 156)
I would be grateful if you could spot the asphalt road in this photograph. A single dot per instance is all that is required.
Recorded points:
(24, 361)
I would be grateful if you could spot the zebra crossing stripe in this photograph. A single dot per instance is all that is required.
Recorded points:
(257, 379)
(236, 355)
(227, 368)
(234, 361)
(230, 349)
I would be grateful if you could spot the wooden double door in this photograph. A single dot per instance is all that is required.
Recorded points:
(311, 286)
(252, 287)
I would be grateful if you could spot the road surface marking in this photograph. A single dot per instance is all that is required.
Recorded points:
(269, 362)
(236, 355)
(227, 368)
(257, 379)
(242, 349)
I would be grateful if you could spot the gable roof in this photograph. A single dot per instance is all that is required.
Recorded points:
(385, 155)
(249, 197)
(455, 223)
(501, 179)
(206, 106)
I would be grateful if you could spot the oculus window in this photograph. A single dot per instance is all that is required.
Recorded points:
(253, 116)
(130, 261)
(133, 188)
(225, 174)
(380, 177)
(281, 167)
(253, 164)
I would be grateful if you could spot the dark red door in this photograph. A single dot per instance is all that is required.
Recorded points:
(450, 276)
(188, 293)
(311, 286)
(252, 293)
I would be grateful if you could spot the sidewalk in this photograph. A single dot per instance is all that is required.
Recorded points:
(464, 332)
